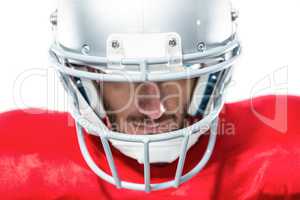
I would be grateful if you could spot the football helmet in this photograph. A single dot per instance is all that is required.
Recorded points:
(145, 41)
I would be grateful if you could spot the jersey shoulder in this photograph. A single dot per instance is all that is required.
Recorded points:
(258, 148)
(266, 119)
(40, 158)
(35, 126)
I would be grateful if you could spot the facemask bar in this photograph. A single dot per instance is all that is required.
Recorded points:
(210, 120)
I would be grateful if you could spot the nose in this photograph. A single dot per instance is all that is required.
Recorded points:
(148, 100)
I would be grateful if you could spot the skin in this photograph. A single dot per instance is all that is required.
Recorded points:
(147, 108)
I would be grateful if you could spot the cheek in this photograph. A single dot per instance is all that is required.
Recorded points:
(176, 95)
(117, 98)
(171, 102)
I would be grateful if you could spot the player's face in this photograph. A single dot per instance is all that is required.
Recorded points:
(147, 108)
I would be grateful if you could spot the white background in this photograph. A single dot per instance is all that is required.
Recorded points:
(269, 31)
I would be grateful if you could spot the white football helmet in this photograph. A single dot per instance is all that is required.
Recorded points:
(140, 41)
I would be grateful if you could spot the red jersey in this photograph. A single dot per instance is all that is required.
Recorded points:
(257, 156)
